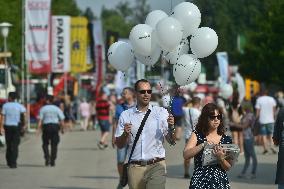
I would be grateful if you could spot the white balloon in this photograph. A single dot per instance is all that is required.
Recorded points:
(141, 39)
(120, 55)
(192, 86)
(203, 42)
(154, 17)
(189, 16)
(186, 70)
(226, 91)
(169, 33)
(149, 60)
(173, 56)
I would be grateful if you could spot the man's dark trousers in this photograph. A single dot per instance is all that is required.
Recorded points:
(50, 134)
(12, 136)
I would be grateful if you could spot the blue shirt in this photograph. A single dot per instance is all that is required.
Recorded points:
(51, 114)
(12, 112)
(177, 104)
(120, 108)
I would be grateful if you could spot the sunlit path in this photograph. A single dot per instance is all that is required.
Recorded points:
(81, 165)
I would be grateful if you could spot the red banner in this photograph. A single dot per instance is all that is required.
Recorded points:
(99, 68)
(37, 35)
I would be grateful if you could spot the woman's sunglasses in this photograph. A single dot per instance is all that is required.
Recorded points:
(144, 91)
(212, 117)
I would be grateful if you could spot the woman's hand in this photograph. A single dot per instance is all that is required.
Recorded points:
(171, 120)
(219, 152)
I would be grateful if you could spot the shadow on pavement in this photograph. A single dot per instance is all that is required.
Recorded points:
(30, 165)
(79, 149)
(265, 173)
(67, 187)
(96, 177)
(176, 171)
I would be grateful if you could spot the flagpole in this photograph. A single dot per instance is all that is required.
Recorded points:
(23, 54)
(27, 71)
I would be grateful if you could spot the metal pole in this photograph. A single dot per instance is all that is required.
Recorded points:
(27, 73)
(23, 54)
(65, 83)
(28, 100)
(6, 68)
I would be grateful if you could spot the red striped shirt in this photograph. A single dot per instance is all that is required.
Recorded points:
(102, 107)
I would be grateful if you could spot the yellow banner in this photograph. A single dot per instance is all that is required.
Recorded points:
(79, 42)
(252, 88)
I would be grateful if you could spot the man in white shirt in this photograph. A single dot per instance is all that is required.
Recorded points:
(265, 112)
(11, 115)
(147, 167)
(191, 116)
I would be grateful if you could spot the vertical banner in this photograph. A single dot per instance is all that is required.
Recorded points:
(60, 44)
(241, 86)
(37, 35)
(79, 38)
(99, 52)
(111, 37)
(222, 58)
(99, 68)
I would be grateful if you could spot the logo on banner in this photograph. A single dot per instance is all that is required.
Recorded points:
(61, 47)
(37, 34)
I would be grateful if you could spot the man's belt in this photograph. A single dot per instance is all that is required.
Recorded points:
(51, 124)
(148, 162)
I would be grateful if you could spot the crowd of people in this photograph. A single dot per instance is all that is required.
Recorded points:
(174, 116)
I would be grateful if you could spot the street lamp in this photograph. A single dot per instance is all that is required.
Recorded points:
(5, 26)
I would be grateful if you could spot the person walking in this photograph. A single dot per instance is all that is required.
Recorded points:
(128, 96)
(103, 117)
(51, 121)
(177, 103)
(278, 139)
(265, 113)
(235, 116)
(13, 113)
(247, 124)
(147, 166)
(85, 113)
(191, 115)
(209, 130)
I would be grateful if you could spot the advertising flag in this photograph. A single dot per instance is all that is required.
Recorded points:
(37, 35)
(222, 58)
(79, 40)
(60, 44)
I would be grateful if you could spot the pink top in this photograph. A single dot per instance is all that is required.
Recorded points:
(85, 109)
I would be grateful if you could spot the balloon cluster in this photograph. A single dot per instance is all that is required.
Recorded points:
(168, 36)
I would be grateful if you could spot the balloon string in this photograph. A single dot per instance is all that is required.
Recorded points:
(171, 5)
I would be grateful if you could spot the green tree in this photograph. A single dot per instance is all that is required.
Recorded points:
(65, 7)
(264, 53)
(141, 9)
(12, 12)
(261, 24)
(125, 10)
(89, 14)
(118, 19)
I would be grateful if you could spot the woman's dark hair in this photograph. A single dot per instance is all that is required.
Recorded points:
(203, 121)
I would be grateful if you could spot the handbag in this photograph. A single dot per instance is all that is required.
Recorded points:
(209, 158)
(124, 178)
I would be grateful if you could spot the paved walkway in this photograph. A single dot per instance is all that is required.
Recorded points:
(81, 165)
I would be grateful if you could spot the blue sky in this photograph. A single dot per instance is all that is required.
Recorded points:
(96, 5)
